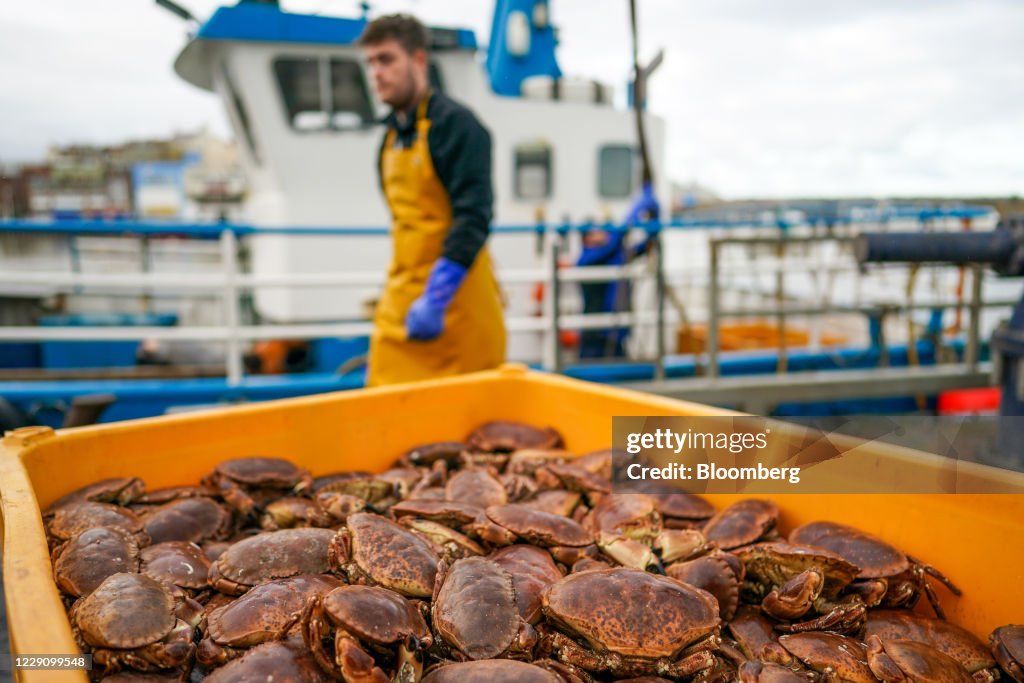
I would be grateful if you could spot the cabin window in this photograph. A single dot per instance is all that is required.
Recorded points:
(532, 176)
(242, 114)
(616, 171)
(323, 94)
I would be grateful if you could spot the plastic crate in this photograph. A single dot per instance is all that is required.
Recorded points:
(97, 354)
(977, 540)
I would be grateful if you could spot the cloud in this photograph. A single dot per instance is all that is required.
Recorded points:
(803, 97)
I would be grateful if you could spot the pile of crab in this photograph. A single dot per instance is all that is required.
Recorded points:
(501, 558)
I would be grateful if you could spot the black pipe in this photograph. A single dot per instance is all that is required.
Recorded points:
(995, 248)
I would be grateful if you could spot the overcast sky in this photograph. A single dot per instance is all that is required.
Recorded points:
(764, 98)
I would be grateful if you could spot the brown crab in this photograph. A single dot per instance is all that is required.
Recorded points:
(373, 550)
(683, 510)
(518, 487)
(720, 574)
(280, 661)
(834, 657)
(247, 482)
(362, 626)
(84, 562)
(267, 612)
(555, 501)
(565, 539)
(271, 555)
(633, 623)
(755, 637)
(167, 494)
(532, 571)
(119, 491)
(456, 545)
(479, 487)
(191, 519)
(789, 580)
(507, 437)
(469, 519)
(427, 454)
(153, 638)
(475, 613)
(178, 564)
(742, 523)
(527, 461)
(633, 515)
(73, 518)
(572, 477)
(292, 512)
(904, 661)
(887, 575)
(492, 671)
(767, 672)
(957, 642)
(1008, 648)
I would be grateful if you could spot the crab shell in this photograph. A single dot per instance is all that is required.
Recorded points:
(518, 487)
(177, 563)
(84, 562)
(74, 518)
(427, 454)
(845, 657)
(507, 437)
(683, 506)
(477, 487)
(957, 642)
(634, 515)
(574, 478)
(718, 574)
(767, 672)
(532, 571)
(599, 462)
(904, 660)
(275, 473)
(540, 528)
(527, 461)
(474, 611)
(264, 613)
(1008, 648)
(374, 550)
(491, 671)
(193, 520)
(281, 661)
(555, 501)
(375, 615)
(632, 613)
(742, 523)
(119, 491)
(166, 495)
(771, 565)
(271, 555)
(756, 635)
(153, 638)
(292, 512)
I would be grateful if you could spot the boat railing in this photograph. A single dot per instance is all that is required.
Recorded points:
(229, 283)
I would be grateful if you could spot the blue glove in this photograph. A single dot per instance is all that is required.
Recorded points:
(425, 320)
(645, 209)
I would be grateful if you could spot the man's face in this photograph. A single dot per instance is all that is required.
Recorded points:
(394, 72)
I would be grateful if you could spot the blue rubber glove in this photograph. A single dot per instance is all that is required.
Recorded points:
(645, 209)
(425, 320)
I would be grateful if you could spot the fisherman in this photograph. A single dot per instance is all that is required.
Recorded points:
(607, 247)
(440, 312)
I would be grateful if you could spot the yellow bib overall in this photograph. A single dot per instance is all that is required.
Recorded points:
(474, 328)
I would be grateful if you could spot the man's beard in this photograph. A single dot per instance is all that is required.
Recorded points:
(408, 97)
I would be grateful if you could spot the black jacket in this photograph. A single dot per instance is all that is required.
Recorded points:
(460, 148)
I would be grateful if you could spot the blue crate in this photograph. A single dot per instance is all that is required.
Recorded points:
(98, 354)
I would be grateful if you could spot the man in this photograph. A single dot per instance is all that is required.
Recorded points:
(440, 313)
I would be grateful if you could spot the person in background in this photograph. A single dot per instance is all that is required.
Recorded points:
(608, 247)
(440, 313)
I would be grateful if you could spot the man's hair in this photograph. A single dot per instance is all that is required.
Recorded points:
(404, 28)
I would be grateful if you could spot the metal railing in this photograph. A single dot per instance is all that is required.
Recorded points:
(229, 284)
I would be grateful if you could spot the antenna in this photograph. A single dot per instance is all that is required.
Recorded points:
(177, 10)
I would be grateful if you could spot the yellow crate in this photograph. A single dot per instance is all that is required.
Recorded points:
(977, 540)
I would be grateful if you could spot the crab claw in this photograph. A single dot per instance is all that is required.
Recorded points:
(795, 597)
